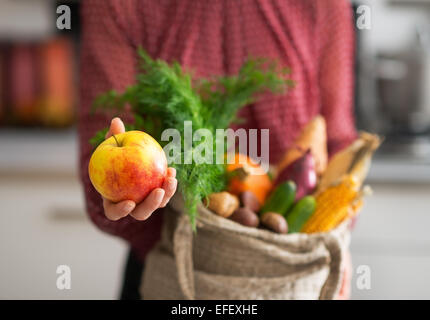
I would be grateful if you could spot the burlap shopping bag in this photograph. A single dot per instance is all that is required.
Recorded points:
(225, 260)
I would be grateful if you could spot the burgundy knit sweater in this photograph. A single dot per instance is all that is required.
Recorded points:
(314, 38)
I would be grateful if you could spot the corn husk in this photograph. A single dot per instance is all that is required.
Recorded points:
(354, 160)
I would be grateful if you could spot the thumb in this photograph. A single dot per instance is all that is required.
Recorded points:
(116, 127)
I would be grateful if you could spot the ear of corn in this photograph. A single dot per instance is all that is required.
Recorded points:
(334, 205)
(354, 159)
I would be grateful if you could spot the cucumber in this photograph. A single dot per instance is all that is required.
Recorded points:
(300, 213)
(281, 199)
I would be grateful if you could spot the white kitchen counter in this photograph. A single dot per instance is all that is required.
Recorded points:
(399, 171)
(39, 150)
(57, 151)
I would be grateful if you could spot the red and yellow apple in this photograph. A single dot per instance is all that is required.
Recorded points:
(128, 166)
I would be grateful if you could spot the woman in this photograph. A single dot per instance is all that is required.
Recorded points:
(314, 38)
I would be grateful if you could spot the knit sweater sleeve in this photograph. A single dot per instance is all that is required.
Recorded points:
(336, 72)
(108, 61)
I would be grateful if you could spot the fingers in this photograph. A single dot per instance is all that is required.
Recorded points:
(170, 184)
(115, 211)
(157, 198)
(151, 203)
(116, 127)
(169, 187)
(171, 172)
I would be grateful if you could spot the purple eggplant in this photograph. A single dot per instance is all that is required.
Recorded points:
(303, 173)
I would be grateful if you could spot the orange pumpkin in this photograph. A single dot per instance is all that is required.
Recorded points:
(245, 175)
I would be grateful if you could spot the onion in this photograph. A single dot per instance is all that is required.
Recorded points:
(303, 173)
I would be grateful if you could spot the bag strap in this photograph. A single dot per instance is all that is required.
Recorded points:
(183, 251)
(334, 279)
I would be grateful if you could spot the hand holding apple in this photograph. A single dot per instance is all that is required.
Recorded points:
(141, 181)
(128, 166)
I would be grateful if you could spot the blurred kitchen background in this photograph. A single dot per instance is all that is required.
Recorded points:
(43, 223)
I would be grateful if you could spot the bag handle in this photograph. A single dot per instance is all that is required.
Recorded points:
(332, 284)
(183, 251)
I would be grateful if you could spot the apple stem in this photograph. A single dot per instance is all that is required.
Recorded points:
(116, 140)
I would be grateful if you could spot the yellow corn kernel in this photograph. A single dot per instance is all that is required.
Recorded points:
(333, 206)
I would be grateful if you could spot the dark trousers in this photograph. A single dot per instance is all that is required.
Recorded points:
(132, 278)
